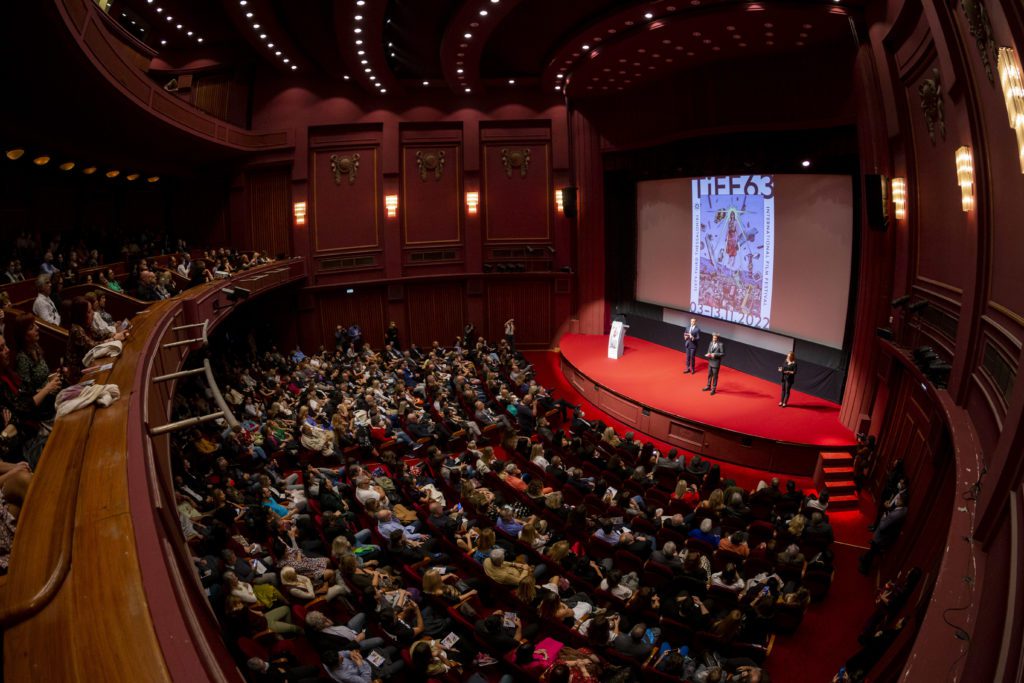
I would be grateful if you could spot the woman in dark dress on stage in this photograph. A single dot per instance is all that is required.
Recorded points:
(788, 370)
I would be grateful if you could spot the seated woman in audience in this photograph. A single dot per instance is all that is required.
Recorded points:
(729, 626)
(687, 609)
(108, 280)
(728, 578)
(428, 658)
(610, 437)
(485, 543)
(572, 612)
(20, 437)
(534, 534)
(736, 543)
(264, 594)
(600, 630)
(443, 586)
(80, 338)
(30, 363)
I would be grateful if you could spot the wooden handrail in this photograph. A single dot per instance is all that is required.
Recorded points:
(98, 555)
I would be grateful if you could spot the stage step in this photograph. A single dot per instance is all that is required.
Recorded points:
(834, 473)
(844, 502)
(836, 458)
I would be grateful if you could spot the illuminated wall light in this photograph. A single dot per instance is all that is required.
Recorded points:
(15, 154)
(299, 211)
(899, 197)
(67, 166)
(559, 199)
(41, 161)
(89, 170)
(391, 205)
(1013, 94)
(965, 177)
(152, 179)
(132, 176)
(472, 203)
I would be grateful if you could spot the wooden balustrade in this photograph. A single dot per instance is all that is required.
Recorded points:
(100, 584)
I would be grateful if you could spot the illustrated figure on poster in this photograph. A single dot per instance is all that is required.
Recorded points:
(788, 372)
(690, 340)
(732, 246)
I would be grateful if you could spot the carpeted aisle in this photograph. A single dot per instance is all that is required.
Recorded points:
(828, 634)
(653, 374)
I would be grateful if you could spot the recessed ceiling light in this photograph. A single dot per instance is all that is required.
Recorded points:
(383, 90)
(467, 36)
(367, 70)
(358, 30)
(159, 10)
(263, 36)
(164, 41)
(483, 12)
(361, 52)
(170, 18)
(294, 68)
(277, 53)
(511, 81)
(649, 15)
(364, 61)
(113, 174)
(346, 77)
(243, 3)
(373, 78)
(152, 179)
(557, 88)
(805, 163)
(426, 82)
(360, 3)
(67, 166)
(458, 71)
(358, 17)
(286, 60)
(495, 2)
(586, 47)
(248, 15)
(132, 176)
(560, 76)
(468, 90)
(255, 27)
(189, 33)
(359, 42)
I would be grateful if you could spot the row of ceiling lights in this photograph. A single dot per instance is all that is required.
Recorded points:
(43, 159)
(361, 52)
(460, 72)
(170, 19)
(262, 33)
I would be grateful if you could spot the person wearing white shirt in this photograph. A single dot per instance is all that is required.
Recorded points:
(43, 308)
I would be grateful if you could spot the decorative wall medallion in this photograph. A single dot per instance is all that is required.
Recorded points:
(347, 165)
(930, 91)
(430, 162)
(981, 29)
(515, 159)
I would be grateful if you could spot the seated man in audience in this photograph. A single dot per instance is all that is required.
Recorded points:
(147, 290)
(668, 556)
(670, 462)
(43, 307)
(386, 523)
(698, 466)
(634, 644)
(706, 533)
(323, 634)
(767, 494)
(509, 573)
(818, 529)
(736, 543)
(508, 523)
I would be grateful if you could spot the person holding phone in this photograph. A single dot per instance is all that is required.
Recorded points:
(788, 372)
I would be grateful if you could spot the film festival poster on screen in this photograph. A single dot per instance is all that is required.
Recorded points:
(733, 238)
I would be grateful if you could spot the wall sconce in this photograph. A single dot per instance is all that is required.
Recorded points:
(391, 205)
(965, 177)
(559, 201)
(1013, 94)
(899, 197)
(299, 211)
(472, 203)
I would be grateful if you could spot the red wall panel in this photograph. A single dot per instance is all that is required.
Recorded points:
(431, 200)
(269, 209)
(529, 302)
(364, 306)
(436, 312)
(346, 216)
(516, 201)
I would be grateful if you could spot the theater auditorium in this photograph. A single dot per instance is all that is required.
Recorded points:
(508, 340)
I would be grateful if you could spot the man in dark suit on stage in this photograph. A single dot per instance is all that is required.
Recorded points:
(690, 340)
(714, 355)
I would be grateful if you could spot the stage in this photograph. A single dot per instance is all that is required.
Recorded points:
(741, 423)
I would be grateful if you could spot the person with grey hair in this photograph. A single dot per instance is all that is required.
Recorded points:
(279, 669)
(323, 634)
(668, 556)
(43, 307)
(509, 573)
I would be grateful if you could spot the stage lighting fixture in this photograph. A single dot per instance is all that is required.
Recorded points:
(918, 306)
(884, 333)
(900, 301)
(236, 293)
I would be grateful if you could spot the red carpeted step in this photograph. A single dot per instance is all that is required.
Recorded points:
(836, 458)
(844, 502)
(836, 473)
(839, 488)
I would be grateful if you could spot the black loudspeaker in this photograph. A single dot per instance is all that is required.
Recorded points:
(569, 201)
(876, 198)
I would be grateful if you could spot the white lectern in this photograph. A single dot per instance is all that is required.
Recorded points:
(617, 340)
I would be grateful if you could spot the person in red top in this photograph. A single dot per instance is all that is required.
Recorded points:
(687, 493)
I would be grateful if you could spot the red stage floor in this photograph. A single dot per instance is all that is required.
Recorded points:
(653, 375)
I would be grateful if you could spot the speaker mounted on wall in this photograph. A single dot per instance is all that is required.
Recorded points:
(876, 199)
(569, 201)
